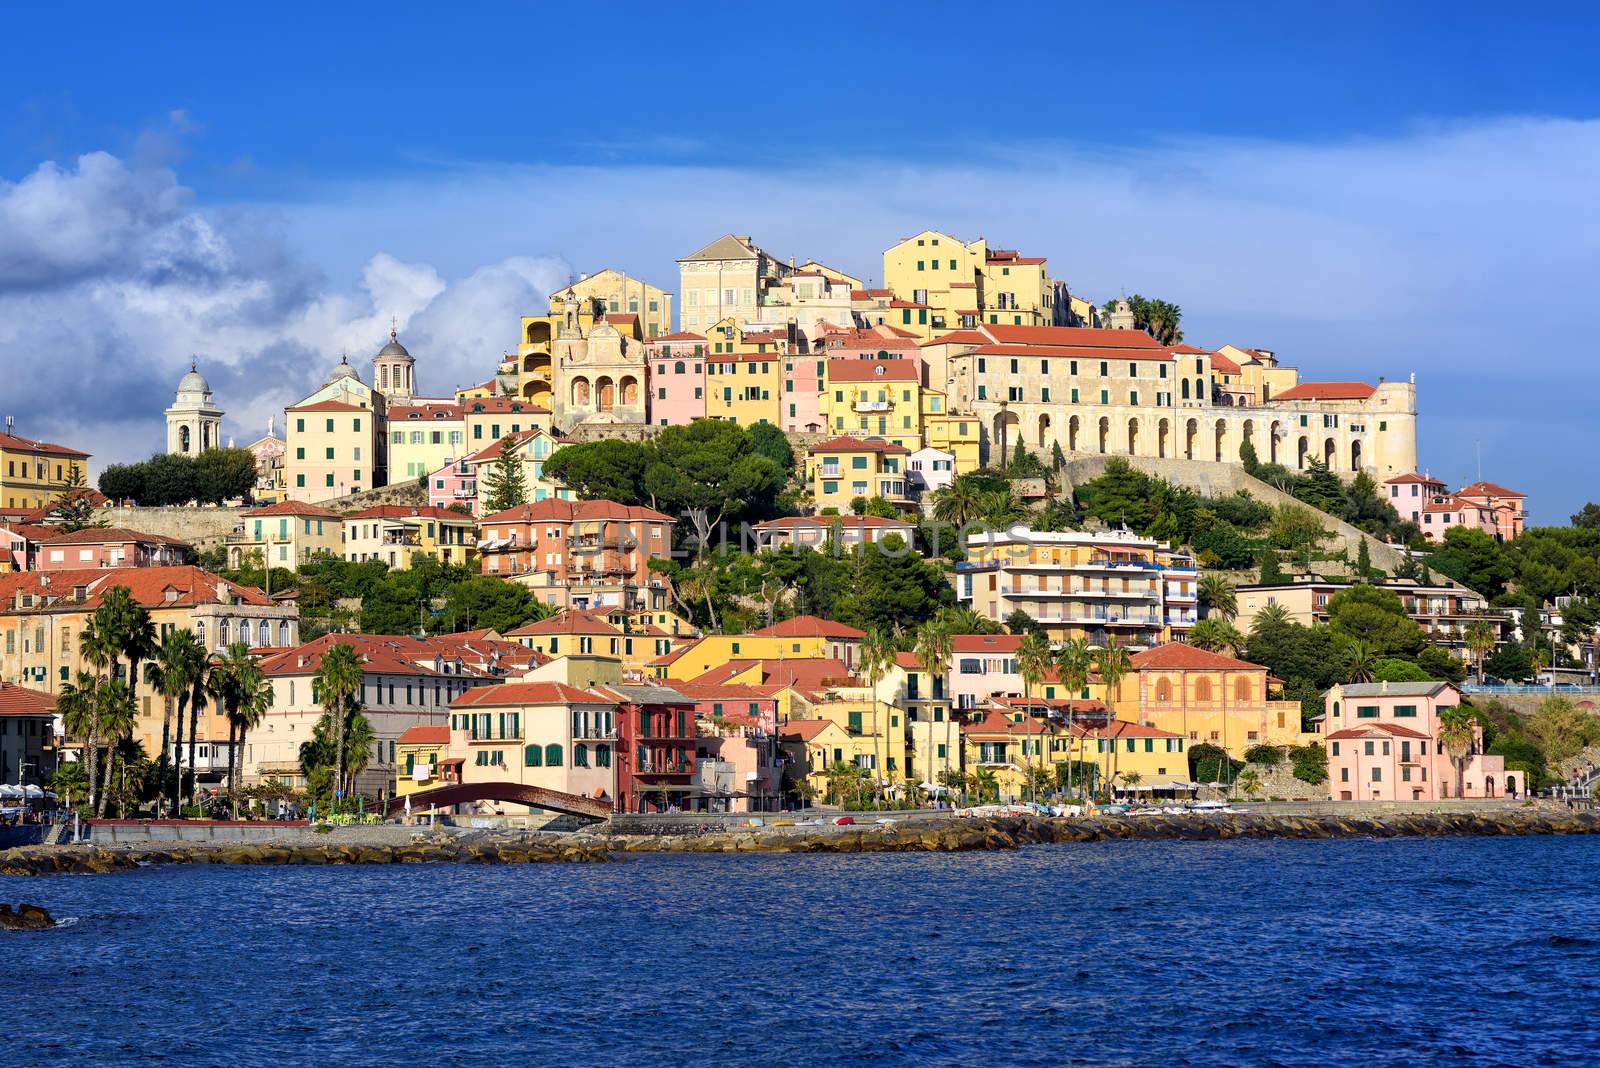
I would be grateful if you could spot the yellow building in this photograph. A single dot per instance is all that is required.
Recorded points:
(877, 727)
(814, 746)
(881, 398)
(422, 436)
(331, 443)
(286, 534)
(745, 389)
(395, 533)
(1201, 696)
(958, 433)
(423, 761)
(586, 632)
(726, 280)
(843, 469)
(33, 473)
(800, 638)
(490, 388)
(488, 419)
(1133, 754)
(618, 294)
(1007, 743)
(953, 283)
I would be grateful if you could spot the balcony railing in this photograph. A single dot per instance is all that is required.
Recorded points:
(402, 539)
(872, 406)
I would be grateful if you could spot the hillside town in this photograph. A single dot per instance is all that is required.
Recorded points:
(788, 539)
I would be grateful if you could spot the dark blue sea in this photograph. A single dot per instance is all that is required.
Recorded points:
(1455, 951)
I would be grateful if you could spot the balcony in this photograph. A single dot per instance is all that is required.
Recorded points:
(463, 493)
(865, 406)
(409, 537)
(830, 472)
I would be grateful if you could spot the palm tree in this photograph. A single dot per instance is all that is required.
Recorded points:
(117, 715)
(1114, 663)
(1215, 635)
(1457, 734)
(1359, 662)
(338, 687)
(1074, 662)
(199, 692)
(877, 659)
(78, 704)
(1033, 663)
(176, 664)
(959, 503)
(1217, 597)
(231, 682)
(933, 651)
(1480, 636)
(1270, 615)
(255, 697)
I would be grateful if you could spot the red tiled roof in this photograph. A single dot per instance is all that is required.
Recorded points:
(109, 536)
(11, 441)
(379, 655)
(1385, 728)
(809, 627)
(1426, 480)
(327, 406)
(425, 734)
(985, 643)
(295, 508)
(1328, 391)
(492, 450)
(404, 511)
(1060, 351)
(567, 621)
(1178, 656)
(995, 721)
(1487, 489)
(681, 335)
(146, 585)
(1121, 728)
(804, 729)
(500, 406)
(895, 370)
(558, 511)
(844, 444)
(432, 410)
(20, 701)
(1219, 362)
(528, 693)
(1069, 336)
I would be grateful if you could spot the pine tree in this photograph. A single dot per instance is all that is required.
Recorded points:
(1363, 561)
(505, 485)
(1271, 573)
(1058, 459)
(1248, 457)
(73, 509)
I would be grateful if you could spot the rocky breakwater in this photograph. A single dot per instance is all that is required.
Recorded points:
(62, 860)
(25, 918)
(1010, 832)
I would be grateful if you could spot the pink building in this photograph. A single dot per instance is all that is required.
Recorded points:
(1409, 494)
(983, 666)
(677, 377)
(737, 769)
(454, 483)
(1383, 745)
(1485, 506)
(815, 531)
(801, 410)
(108, 547)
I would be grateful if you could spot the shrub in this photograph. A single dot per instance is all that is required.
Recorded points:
(1266, 755)
(1310, 763)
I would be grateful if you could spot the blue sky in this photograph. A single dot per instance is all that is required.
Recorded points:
(1367, 188)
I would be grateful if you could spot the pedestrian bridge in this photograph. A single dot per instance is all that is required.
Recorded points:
(511, 792)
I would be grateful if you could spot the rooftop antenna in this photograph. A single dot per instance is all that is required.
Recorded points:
(11, 423)
(1480, 461)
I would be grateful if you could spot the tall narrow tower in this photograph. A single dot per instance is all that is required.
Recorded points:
(194, 422)
(392, 369)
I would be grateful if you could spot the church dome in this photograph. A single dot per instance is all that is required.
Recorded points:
(344, 370)
(393, 348)
(193, 382)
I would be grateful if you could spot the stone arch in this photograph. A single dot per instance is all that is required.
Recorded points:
(538, 333)
(1191, 431)
(1355, 456)
(580, 392)
(1300, 451)
(1330, 454)
(630, 392)
(1274, 432)
(1222, 439)
(183, 439)
(605, 393)
(1105, 433)
(1073, 426)
(1133, 436)
(1163, 433)
(537, 392)
(1247, 436)
(1044, 430)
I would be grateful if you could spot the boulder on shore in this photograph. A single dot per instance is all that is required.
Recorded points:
(25, 918)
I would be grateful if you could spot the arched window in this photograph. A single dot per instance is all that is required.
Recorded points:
(530, 757)
(264, 633)
(1202, 689)
(602, 756)
(552, 755)
(200, 631)
(677, 368)
(222, 633)
(1164, 692)
(283, 633)
(1241, 690)
(1185, 389)
(183, 439)
(1336, 710)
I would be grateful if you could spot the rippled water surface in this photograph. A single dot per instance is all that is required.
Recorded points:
(1461, 951)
